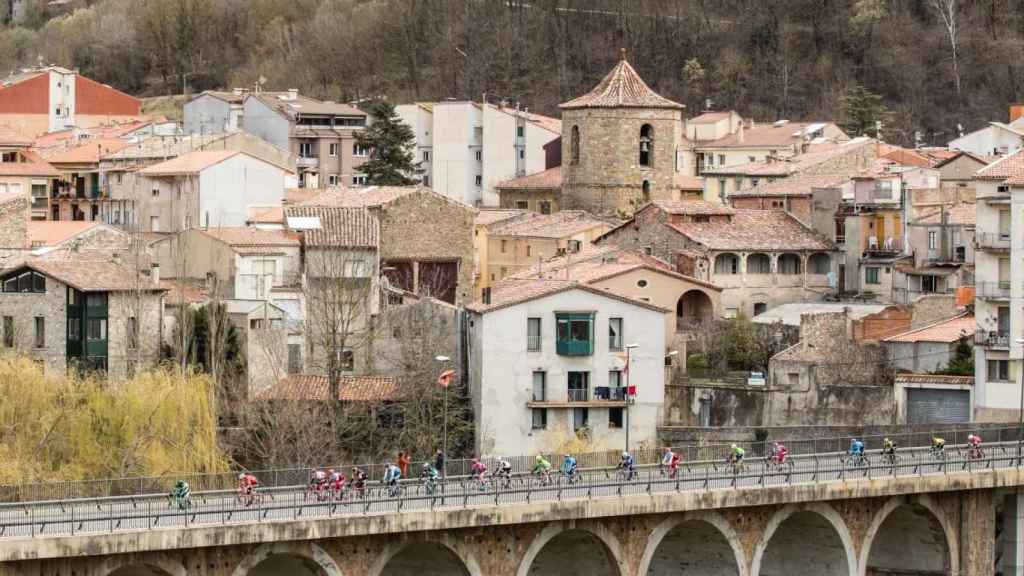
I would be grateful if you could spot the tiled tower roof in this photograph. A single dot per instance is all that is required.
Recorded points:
(621, 88)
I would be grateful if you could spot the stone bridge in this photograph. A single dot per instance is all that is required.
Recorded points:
(929, 525)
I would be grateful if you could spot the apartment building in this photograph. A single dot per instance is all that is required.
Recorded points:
(998, 138)
(999, 288)
(78, 194)
(547, 362)
(214, 112)
(467, 149)
(319, 134)
(48, 99)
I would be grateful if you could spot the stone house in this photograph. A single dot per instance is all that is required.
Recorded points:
(82, 309)
(620, 145)
(425, 241)
(759, 258)
(942, 244)
(485, 218)
(540, 192)
(214, 112)
(516, 244)
(547, 362)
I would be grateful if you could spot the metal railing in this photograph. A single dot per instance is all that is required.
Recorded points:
(992, 240)
(992, 339)
(999, 290)
(703, 468)
(578, 394)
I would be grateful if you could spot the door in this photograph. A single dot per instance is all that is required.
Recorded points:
(926, 406)
(880, 229)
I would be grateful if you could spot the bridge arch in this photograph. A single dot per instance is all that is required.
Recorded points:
(805, 533)
(705, 540)
(568, 548)
(911, 528)
(122, 566)
(292, 558)
(429, 556)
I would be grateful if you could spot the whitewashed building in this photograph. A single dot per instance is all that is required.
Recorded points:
(466, 149)
(547, 364)
(997, 138)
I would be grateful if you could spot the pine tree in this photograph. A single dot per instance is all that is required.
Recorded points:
(861, 110)
(391, 143)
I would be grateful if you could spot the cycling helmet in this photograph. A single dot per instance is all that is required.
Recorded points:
(426, 465)
(625, 454)
(241, 476)
(733, 446)
(539, 458)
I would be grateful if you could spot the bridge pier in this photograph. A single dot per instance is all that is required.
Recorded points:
(1012, 563)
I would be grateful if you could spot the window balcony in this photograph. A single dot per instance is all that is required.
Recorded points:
(575, 334)
(993, 290)
(574, 347)
(578, 395)
(996, 340)
(998, 241)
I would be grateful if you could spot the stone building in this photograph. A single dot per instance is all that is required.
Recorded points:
(760, 258)
(82, 309)
(620, 145)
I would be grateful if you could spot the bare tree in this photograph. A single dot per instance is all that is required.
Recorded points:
(947, 10)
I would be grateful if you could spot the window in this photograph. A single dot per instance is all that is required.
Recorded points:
(27, 281)
(155, 192)
(998, 370)
(533, 340)
(760, 308)
(522, 204)
(96, 329)
(871, 275)
(360, 151)
(731, 312)
(545, 207)
(479, 156)
(359, 179)
(789, 264)
(759, 263)
(573, 246)
(426, 180)
(504, 246)
(793, 378)
(646, 144)
(574, 145)
(540, 380)
(353, 269)
(305, 149)
(840, 235)
(614, 383)
(641, 283)
(294, 358)
(727, 264)
(721, 159)
(40, 336)
(520, 131)
(119, 177)
(332, 149)
(346, 360)
(751, 159)
(74, 331)
(540, 418)
(645, 191)
(478, 180)
(154, 223)
(332, 179)
(615, 333)
(615, 417)
(575, 334)
(933, 238)
(527, 250)
(426, 155)
(132, 333)
(8, 331)
(580, 416)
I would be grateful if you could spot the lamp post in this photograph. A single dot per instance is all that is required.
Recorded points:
(444, 380)
(628, 401)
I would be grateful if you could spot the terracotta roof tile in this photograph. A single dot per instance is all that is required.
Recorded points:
(766, 135)
(190, 163)
(350, 389)
(512, 291)
(949, 330)
(549, 179)
(266, 215)
(795, 185)
(372, 196)
(34, 168)
(12, 138)
(798, 163)
(709, 118)
(87, 152)
(90, 272)
(248, 240)
(557, 225)
(184, 292)
(689, 182)
(489, 216)
(339, 227)
(754, 230)
(52, 233)
(698, 207)
(1009, 168)
(621, 88)
(280, 102)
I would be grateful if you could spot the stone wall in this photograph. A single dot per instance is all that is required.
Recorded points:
(146, 308)
(23, 309)
(608, 178)
(14, 215)
(510, 197)
(686, 435)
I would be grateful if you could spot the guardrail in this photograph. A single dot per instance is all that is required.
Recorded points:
(821, 460)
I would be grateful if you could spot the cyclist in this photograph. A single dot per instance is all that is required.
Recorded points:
(542, 468)
(974, 446)
(857, 451)
(504, 472)
(673, 464)
(392, 474)
(569, 467)
(666, 459)
(889, 449)
(359, 480)
(317, 481)
(736, 455)
(938, 446)
(429, 476)
(779, 453)
(247, 485)
(181, 494)
(478, 473)
(335, 481)
(627, 466)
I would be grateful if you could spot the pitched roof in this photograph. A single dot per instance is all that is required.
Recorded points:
(766, 135)
(798, 163)
(350, 388)
(225, 95)
(934, 379)
(754, 230)
(97, 272)
(282, 103)
(557, 225)
(489, 216)
(795, 185)
(709, 118)
(88, 152)
(190, 163)
(265, 215)
(512, 291)
(684, 182)
(166, 146)
(545, 180)
(10, 137)
(1009, 168)
(185, 292)
(948, 330)
(51, 233)
(907, 157)
(621, 88)
(338, 227)
(31, 168)
(247, 240)
(372, 196)
(694, 207)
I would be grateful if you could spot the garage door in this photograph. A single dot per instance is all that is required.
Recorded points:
(938, 406)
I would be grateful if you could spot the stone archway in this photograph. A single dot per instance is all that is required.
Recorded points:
(702, 544)
(805, 539)
(910, 535)
(693, 307)
(292, 558)
(570, 550)
(121, 566)
(424, 557)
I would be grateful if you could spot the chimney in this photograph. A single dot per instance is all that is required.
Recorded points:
(293, 93)
(1016, 111)
(154, 273)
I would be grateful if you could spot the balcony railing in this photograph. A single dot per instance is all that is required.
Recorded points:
(307, 161)
(574, 347)
(992, 240)
(994, 290)
(533, 343)
(579, 395)
(992, 339)
(884, 246)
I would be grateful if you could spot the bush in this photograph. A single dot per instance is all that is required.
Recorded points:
(696, 362)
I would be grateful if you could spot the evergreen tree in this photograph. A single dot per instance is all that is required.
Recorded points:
(962, 362)
(860, 110)
(391, 143)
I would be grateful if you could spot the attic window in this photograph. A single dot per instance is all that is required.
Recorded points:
(28, 281)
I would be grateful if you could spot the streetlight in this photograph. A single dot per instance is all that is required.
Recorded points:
(628, 348)
(444, 380)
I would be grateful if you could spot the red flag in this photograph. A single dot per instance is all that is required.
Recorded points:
(446, 378)
(631, 390)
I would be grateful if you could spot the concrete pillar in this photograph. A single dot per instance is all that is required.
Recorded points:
(1012, 562)
(977, 532)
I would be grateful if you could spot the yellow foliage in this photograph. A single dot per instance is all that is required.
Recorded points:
(57, 428)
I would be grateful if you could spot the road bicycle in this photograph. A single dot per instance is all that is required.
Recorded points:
(975, 453)
(253, 497)
(181, 502)
(937, 453)
(319, 491)
(856, 460)
(773, 464)
(890, 458)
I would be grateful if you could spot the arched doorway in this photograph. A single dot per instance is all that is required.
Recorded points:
(704, 545)
(907, 539)
(572, 552)
(819, 263)
(424, 558)
(693, 307)
(811, 540)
